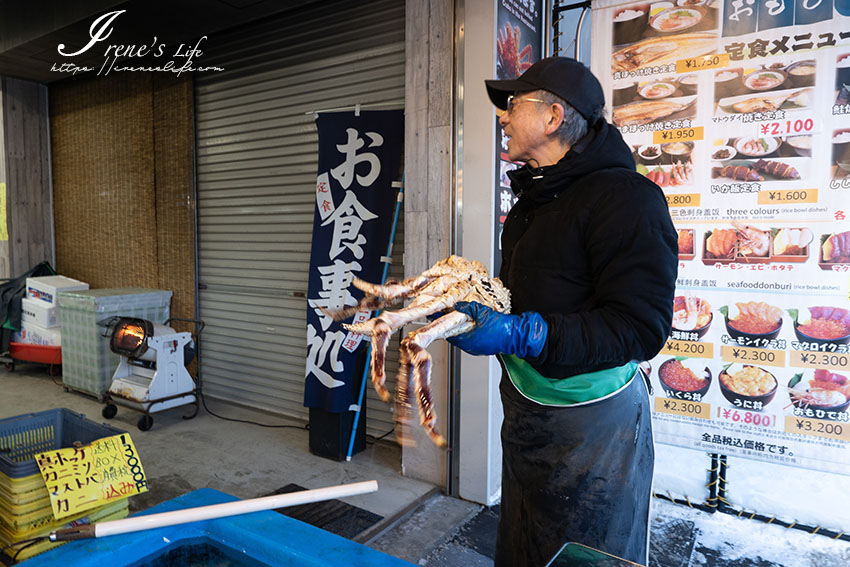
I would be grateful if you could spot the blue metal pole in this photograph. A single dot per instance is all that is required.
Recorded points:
(386, 259)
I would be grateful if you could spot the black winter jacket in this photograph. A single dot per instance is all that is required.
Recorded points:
(590, 246)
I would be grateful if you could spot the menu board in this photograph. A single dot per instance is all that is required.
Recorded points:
(740, 111)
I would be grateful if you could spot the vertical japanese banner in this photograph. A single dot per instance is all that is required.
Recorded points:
(359, 159)
(518, 46)
(740, 111)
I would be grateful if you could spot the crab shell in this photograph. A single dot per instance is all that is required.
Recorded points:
(436, 290)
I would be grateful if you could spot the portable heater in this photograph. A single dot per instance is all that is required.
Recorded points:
(151, 376)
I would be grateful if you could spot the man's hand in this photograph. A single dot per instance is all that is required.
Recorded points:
(521, 335)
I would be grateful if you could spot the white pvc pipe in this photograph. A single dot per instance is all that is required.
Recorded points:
(151, 521)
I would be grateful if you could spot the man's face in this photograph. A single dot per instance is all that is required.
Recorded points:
(524, 123)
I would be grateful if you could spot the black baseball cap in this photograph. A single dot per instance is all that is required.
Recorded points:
(563, 76)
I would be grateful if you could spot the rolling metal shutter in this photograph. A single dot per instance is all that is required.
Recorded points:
(257, 165)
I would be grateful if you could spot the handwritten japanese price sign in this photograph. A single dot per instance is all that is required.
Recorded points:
(82, 478)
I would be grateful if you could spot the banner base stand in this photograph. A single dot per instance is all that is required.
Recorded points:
(330, 433)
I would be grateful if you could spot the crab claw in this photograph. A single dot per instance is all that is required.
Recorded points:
(402, 409)
(365, 328)
(420, 362)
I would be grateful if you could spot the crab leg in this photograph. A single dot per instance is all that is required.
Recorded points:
(380, 337)
(401, 415)
(392, 291)
(368, 303)
(413, 346)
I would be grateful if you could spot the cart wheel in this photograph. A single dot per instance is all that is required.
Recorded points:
(145, 422)
(10, 366)
(109, 411)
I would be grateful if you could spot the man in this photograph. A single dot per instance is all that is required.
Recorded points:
(589, 254)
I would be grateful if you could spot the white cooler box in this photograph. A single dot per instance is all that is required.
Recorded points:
(41, 313)
(47, 288)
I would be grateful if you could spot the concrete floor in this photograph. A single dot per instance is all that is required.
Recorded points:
(420, 525)
(245, 460)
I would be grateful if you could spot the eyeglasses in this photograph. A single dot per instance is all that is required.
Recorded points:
(513, 101)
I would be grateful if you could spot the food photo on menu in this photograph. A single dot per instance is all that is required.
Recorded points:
(685, 378)
(667, 98)
(742, 243)
(834, 250)
(821, 393)
(842, 79)
(766, 88)
(692, 317)
(840, 153)
(666, 165)
(754, 322)
(821, 326)
(765, 158)
(747, 386)
(660, 33)
(686, 243)
(790, 244)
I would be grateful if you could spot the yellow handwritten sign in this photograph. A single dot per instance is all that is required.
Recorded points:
(82, 478)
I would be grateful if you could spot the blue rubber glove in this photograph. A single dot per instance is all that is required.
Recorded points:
(521, 335)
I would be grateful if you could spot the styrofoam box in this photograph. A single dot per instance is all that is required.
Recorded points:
(41, 313)
(37, 335)
(47, 288)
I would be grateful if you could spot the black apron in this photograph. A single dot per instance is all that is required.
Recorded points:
(577, 474)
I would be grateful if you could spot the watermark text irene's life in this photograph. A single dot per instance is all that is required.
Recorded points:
(179, 60)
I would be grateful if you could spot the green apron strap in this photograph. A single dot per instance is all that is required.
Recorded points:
(578, 389)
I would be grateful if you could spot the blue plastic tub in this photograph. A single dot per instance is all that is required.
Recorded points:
(260, 539)
(23, 436)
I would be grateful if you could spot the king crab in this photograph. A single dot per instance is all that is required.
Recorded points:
(435, 290)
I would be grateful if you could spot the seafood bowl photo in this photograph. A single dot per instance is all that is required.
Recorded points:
(764, 80)
(686, 378)
(756, 147)
(676, 19)
(754, 321)
(746, 386)
(691, 315)
(820, 391)
(825, 326)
